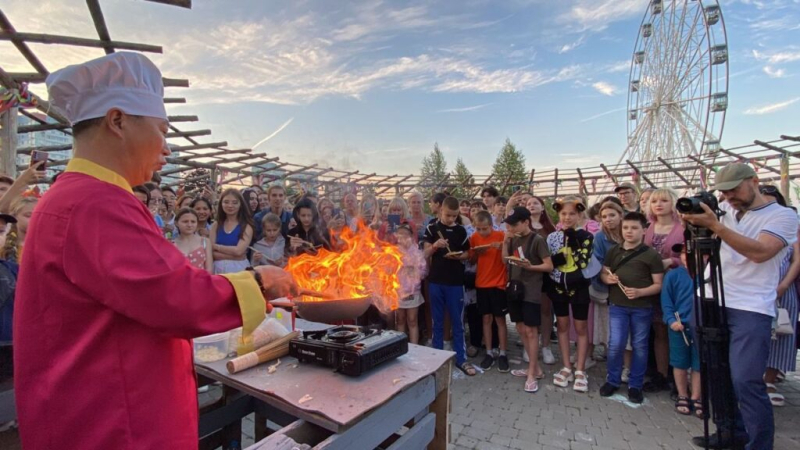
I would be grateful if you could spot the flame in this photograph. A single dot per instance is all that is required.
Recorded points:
(366, 267)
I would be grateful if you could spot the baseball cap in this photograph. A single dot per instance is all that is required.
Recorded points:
(7, 218)
(732, 175)
(626, 185)
(518, 215)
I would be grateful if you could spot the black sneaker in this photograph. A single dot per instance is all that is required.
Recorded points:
(635, 395)
(657, 383)
(502, 364)
(487, 362)
(607, 390)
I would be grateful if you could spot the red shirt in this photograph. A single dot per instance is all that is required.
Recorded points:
(104, 316)
(491, 272)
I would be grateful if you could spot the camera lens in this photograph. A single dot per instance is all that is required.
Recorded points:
(686, 205)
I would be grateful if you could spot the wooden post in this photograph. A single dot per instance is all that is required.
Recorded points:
(555, 183)
(8, 142)
(785, 178)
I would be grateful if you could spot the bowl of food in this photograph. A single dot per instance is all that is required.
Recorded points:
(331, 311)
(213, 347)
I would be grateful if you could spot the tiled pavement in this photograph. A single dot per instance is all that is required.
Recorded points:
(491, 411)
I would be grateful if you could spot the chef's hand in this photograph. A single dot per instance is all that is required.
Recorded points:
(705, 220)
(277, 282)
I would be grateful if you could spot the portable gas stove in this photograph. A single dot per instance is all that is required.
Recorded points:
(348, 349)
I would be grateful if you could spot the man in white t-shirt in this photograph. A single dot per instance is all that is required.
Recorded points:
(755, 234)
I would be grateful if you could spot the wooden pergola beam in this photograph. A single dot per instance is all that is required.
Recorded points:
(639, 172)
(215, 154)
(41, 127)
(790, 138)
(185, 134)
(47, 148)
(173, 119)
(294, 172)
(609, 174)
(23, 48)
(100, 23)
(179, 148)
(168, 100)
(775, 148)
(395, 185)
(40, 38)
(180, 3)
(743, 159)
(677, 173)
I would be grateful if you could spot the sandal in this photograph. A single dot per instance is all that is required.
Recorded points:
(581, 382)
(683, 407)
(467, 369)
(698, 409)
(531, 386)
(774, 397)
(563, 377)
(523, 373)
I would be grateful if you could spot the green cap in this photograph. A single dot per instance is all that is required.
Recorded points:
(732, 175)
(626, 185)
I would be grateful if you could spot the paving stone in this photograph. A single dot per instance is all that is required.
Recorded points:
(554, 441)
(499, 439)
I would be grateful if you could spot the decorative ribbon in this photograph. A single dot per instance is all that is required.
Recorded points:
(21, 97)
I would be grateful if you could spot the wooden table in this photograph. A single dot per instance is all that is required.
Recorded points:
(409, 395)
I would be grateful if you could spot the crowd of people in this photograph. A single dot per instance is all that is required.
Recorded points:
(611, 277)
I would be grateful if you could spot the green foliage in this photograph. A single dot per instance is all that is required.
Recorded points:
(548, 208)
(462, 177)
(434, 169)
(509, 167)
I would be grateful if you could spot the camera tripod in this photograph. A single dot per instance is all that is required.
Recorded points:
(719, 402)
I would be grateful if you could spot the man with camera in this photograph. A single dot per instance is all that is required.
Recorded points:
(754, 234)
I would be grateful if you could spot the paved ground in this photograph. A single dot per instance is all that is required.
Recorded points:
(491, 411)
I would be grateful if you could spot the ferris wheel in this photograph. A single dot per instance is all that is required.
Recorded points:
(678, 86)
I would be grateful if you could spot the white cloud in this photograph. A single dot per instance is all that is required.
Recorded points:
(619, 66)
(605, 88)
(596, 15)
(774, 73)
(784, 56)
(464, 109)
(769, 109)
(572, 46)
(597, 116)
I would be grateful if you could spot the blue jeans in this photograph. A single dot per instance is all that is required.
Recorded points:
(621, 321)
(750, 335)
(452, 298)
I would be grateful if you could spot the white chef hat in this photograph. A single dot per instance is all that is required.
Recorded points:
(125, 80)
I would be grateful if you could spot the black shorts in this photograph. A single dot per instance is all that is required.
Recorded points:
(526, 312)
(579, 302)
(492, 301)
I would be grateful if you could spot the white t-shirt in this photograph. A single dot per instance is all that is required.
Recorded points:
(751, 286)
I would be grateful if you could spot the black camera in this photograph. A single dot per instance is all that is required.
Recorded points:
(691, 205)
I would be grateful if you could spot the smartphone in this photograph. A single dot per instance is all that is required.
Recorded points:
(515, 188)
(336, 212)
(394, 222)
(37, 156)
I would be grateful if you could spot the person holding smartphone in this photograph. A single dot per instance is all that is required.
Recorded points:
(398, 212)
(33, 174)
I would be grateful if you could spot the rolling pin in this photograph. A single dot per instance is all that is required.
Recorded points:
(273, 350)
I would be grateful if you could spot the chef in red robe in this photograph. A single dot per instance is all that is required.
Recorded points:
(106, 308)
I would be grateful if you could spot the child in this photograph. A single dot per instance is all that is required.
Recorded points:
(490, 282)
(524, 289)
(193, 246)
(571, 250)
(447, 245)
(306, 237)
(231, 233)
(610, 215)
(411, 275)
(677, 296)
(202, 207)
(499, 210)
(21, 210)
(634, 272)
(271, 250)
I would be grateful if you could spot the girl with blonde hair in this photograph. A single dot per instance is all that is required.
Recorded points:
(22, 210)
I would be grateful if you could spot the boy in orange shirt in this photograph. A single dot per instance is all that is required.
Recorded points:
(490, 282)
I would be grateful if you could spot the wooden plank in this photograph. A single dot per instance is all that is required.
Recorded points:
(187, 134)
(100, 23)
(179, 148)
(676, 172)
(182, 118)
(641, 175)
(41, 127)
(378, 425)
(175, 82)
(363, 394)
(49, 148)
(41, 38)
(746, 160)
(441, 407)
(181, 3)
(419, 436)
(169, 100)
(8, 142)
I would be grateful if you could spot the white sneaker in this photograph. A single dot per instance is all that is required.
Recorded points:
(626, 375)
(525, 356)
(547, 356)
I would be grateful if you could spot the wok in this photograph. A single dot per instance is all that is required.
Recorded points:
(329, 311)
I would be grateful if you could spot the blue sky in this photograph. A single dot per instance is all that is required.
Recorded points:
(371, 85)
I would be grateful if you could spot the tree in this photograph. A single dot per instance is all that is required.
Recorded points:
(462, 177)
(509, 167)
(434, 170)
